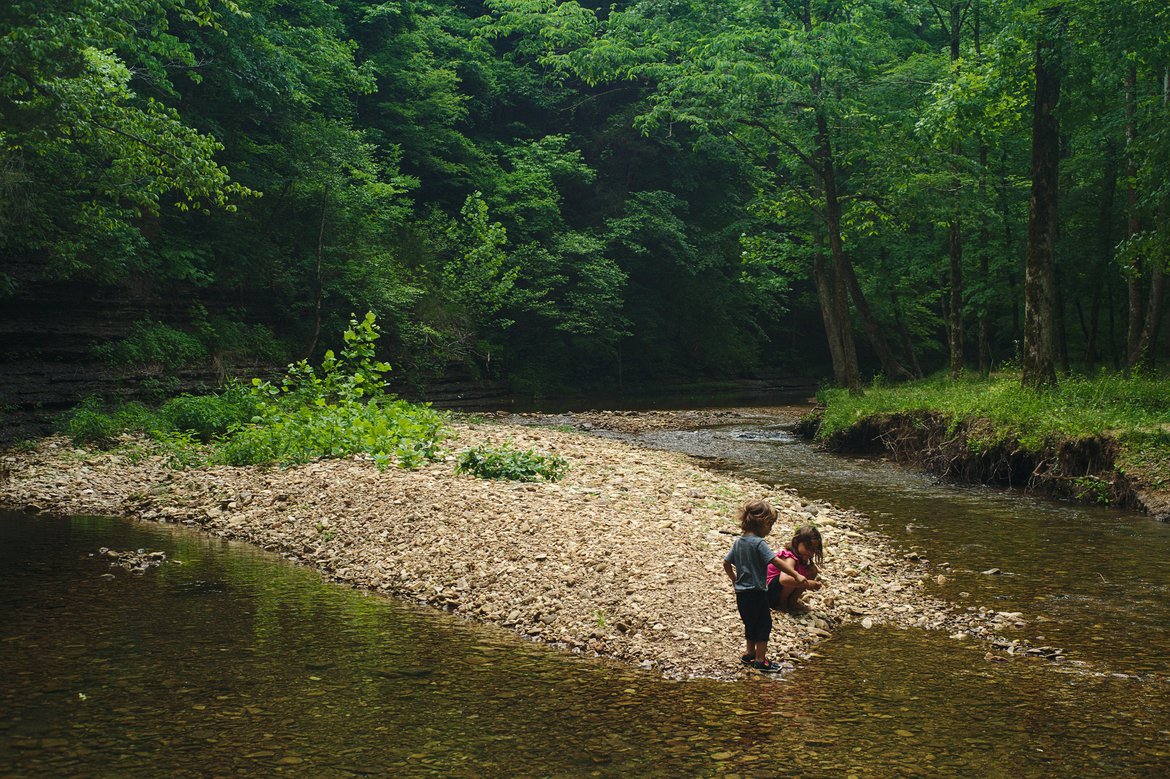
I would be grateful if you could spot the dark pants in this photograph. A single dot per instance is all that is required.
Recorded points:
(753, 610)
(774, 594)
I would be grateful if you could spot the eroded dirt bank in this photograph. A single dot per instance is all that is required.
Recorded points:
(1080, 469)
(622, 558)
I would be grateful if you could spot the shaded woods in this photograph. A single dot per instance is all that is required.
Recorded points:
(542, 194)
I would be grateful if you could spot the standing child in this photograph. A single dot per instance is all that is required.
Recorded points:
(795, 570)
(747, 565)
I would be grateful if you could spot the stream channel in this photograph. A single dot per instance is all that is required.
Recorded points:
(238, 663)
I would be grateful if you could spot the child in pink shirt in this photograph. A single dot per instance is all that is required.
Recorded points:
(794, 571)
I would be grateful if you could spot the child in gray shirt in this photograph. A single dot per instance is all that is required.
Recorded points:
(746, 565)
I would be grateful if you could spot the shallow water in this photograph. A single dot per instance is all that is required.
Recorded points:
(1092, 580)
(236, 662)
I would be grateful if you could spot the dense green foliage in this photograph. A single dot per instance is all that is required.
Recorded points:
(335, 410)
(508, 462)
(549, 192)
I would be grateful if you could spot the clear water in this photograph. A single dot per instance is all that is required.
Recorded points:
(238, 663)
(1092, 580)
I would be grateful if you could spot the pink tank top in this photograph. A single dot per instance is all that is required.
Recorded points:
(773, 571)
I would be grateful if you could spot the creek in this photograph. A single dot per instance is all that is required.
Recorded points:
(226, 660)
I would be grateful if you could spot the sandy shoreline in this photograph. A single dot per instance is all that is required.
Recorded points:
(622, 558)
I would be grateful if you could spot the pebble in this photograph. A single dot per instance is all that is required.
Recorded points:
(537, 558)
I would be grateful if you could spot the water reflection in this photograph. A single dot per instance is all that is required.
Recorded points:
(1092, 580)
(238, 663)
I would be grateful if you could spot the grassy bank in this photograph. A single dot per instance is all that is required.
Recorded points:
(1099, 436)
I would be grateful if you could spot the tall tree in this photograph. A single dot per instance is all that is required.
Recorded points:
(1040, 326)
(88, 134)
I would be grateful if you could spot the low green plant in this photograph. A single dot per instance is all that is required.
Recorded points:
(508, 462)
(153, 345)
(1077, 406)
(390, 431)
(337, 409)
(209, 415)
(1091, 489)
(89, 425)
(1132, 410)
(156, 389)
(136, 417)
(180, 449)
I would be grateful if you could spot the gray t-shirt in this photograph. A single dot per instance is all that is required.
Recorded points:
(750, 555)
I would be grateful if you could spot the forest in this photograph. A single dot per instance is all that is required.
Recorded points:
(562, 194)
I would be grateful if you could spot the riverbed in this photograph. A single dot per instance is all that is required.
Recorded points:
(229, 660)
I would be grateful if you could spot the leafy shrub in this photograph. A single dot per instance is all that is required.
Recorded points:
(508, 462)
(153, 344)
(180, 449)
(209, 415)
(87, 424)
(136, 417)
(351, 377)
(336, 410)
(389, 430)
(156, 389)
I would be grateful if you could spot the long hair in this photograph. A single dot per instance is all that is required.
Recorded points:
(811, 536)
(757, 517)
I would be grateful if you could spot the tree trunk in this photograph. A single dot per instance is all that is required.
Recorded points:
(1061, 334)
(1104, 253)
(1040, 334)
(823, 279)
(1133, 226)
(1111, 308)
(955, 233)
(317, 285)
(984, 229)
(1005, 216)
(955, 244)
(847, 372)
(904, 333)
(891, 367)
(1148, 343)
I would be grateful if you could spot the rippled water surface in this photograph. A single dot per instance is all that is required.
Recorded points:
(236, 662)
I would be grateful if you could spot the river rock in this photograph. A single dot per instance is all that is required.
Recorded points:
(632, 534)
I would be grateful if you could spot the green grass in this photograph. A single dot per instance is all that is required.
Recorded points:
(1135, 411)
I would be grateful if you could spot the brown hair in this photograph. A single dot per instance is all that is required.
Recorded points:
(811, 536)
(757, 517)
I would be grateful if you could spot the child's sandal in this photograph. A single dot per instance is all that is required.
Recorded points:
(747, 659)
(765, 666)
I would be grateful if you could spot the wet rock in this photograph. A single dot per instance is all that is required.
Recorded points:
(136, 562)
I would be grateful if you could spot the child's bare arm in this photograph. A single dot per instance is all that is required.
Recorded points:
(785, 564)
(814, 574)
(730, 569)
